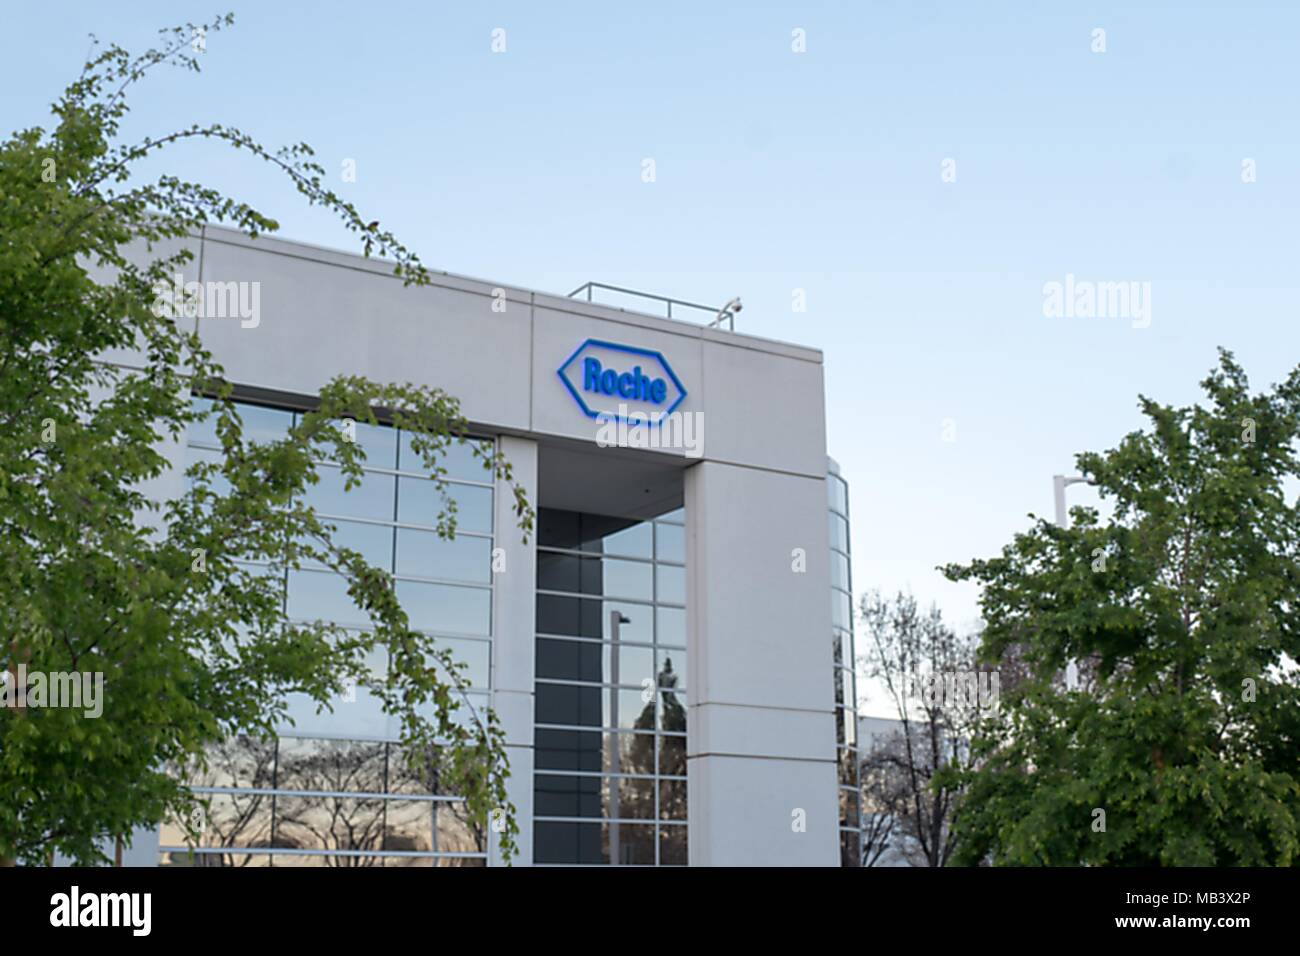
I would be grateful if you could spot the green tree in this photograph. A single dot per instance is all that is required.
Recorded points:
(95, 576)
(1181, 744)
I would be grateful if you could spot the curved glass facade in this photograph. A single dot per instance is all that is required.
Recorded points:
(846, 696)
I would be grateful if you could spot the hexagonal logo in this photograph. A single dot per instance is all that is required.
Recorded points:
(621, 383)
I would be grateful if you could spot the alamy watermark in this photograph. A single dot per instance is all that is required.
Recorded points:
(69, 690)
(947, 690)
(684, 430)
(1084, 299)
(209, 300)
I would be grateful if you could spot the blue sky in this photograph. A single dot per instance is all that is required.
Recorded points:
(819, 171)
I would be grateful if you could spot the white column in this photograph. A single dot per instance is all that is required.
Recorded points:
(513, 632)
(760, 729)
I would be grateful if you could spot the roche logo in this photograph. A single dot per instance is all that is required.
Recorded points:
(621, 383)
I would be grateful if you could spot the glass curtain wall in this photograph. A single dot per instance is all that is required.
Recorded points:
(846, 696)
(334, 789)
(610, 772)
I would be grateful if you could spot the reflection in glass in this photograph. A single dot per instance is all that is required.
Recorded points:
(371, 498)
(423, 554)
(607, 664)
(446, 607)
(419, 501)
(329, 798)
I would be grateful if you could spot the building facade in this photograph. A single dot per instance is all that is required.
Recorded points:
(656, 650)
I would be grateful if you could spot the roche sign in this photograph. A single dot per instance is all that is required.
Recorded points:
(621, 382)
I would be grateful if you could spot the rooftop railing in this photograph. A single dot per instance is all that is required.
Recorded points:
(715, 315)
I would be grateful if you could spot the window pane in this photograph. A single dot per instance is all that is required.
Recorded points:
(568, 704)
(672, 584)
(205, 432)
(629, 579)
(840, 615)
(631, 542)
(373, 541)
(672, 756)
(670, 543)
(475, 654)
(446, 607)
(671, 670)
(457, 459)
(600, 797)
(425, 555)
(225, 819)
(372, 498)
(323, 596)
(379, 442)
(672, 626)
(420, 502)
(317, 763)
(839, 530)
(264, 424)
(672, 800)
(673, 846)
(569, 750)
(839, 570)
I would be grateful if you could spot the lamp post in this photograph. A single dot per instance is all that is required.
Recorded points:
(1058, 491)
(615, 758)
(1059, 483)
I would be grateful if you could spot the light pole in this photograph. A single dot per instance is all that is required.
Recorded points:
(615, 758)
(1058, 491)
(1059, 483)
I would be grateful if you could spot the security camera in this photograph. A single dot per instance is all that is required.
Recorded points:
(728, 311)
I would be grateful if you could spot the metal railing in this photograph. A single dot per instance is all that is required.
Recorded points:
(716, 316)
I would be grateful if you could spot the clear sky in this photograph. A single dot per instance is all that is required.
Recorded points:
(821, 171)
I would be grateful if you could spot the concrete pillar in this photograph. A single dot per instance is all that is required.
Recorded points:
(514, 614)
(761, 732)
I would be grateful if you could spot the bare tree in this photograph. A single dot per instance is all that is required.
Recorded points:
(938, 693)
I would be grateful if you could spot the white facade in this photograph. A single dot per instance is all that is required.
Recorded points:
(761, 749)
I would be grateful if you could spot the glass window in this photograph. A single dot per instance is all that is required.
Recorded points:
(374, 542)
(638, 727)
(840, 614)
(371, 498)
(323, 596)
(670, 543)
(629, 579)
(839, 533)
(671, 626)
(263, 424)
(673, 846)
(362, 770)
(420, 502)
(671, 671)
(204, 432)
(423, 554)
(457, 459)
(632, 542)
(615, 798)
(839, 571)
(446, 607)
(671, 582)
(378, 442)
(593, 662)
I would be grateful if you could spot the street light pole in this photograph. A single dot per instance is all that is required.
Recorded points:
(616, 618)
(1059, 483)
(1058, 491)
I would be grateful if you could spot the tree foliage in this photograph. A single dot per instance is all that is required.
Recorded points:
(1182, 745)
(97, 575)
